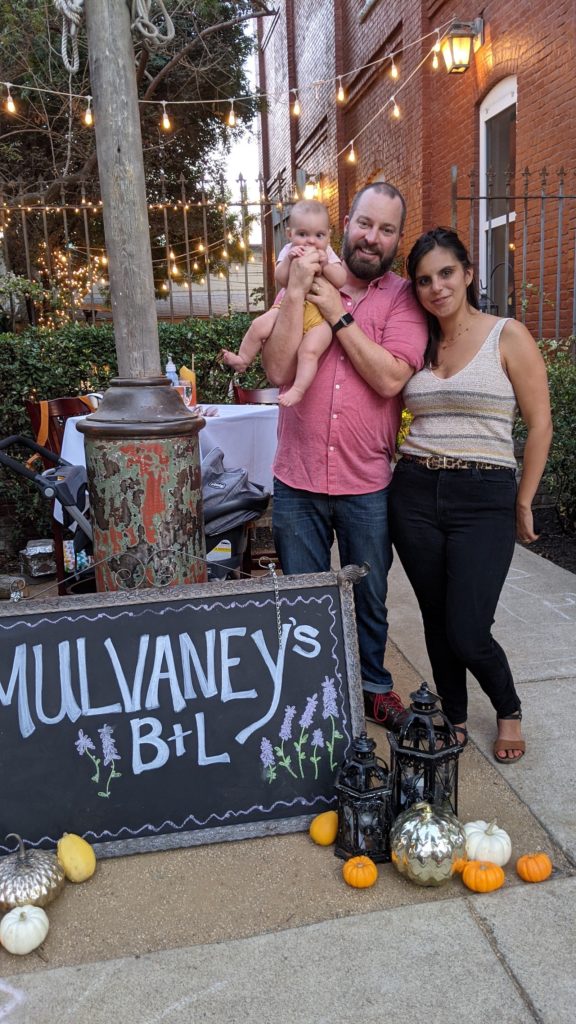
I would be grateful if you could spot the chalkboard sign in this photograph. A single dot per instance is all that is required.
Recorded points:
(147, 720)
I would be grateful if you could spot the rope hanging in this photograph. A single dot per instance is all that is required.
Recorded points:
(141, 12)
(141, 16)
(71, 11)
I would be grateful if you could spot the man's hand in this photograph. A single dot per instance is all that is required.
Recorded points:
(327, 298)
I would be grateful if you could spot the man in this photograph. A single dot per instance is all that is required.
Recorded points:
(333, 461)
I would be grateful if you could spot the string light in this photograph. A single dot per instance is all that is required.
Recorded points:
(393, 70)
(88, 119)
(296, 109)
(351, 155)
(9, 104)
(231, 116)
(435, 61)
(166, 122)
(395, 108)
(340, 95)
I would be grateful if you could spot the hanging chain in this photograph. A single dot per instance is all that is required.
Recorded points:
(71, 11)
(272, 570)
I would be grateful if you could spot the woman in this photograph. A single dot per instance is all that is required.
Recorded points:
(455, 508)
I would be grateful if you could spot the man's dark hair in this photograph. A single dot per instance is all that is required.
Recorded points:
(384, 188)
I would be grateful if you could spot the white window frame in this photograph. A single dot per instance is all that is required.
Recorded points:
(502, 96)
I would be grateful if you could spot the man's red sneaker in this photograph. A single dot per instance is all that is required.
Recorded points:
(385, 709)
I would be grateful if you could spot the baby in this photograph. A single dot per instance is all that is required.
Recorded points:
(308, 227)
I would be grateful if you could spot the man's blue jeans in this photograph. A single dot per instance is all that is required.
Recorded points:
(305, 525)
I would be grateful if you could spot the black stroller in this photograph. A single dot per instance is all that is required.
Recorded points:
(230, 502)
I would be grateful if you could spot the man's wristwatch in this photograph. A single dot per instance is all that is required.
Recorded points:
(345, 320)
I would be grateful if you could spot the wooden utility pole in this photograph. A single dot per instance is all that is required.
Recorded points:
(142, 450)
(123, 188)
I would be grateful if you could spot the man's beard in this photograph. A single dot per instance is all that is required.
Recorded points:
(365, 270)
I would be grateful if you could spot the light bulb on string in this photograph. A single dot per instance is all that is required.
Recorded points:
(296, 109)
(395, 108)
(393, 70)
(435, 61)
(231, 115)
(436, 46)
(340, 95)
(166, 122)
(352, 154)
(9, 104)
(200, 247)
(88, 118)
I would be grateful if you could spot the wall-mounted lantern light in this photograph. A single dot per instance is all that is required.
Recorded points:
(457, 44)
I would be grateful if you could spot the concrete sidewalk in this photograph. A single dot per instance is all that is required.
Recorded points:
(265, 930)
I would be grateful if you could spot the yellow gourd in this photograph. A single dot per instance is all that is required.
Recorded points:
(324, 828)
(76, 857)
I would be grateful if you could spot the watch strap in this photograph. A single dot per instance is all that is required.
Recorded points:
(345, 320)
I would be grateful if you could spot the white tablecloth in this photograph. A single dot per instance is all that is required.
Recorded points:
(245, 433)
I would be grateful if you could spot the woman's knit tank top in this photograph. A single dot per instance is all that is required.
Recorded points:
(467, 416)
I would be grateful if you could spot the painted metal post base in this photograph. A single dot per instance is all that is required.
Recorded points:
(143, 462)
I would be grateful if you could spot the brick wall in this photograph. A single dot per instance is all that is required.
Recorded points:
(439, 126)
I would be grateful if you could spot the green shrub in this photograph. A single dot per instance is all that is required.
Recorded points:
(559, 480)
(78, 358)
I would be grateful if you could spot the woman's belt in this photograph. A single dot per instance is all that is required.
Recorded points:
(448, 462)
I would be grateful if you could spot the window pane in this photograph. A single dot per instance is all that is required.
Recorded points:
(501, 293)
(500, 158)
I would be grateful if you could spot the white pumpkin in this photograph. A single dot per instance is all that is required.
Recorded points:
(23, 929)
(485, 841)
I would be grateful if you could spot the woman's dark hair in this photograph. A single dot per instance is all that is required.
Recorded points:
(442, 238)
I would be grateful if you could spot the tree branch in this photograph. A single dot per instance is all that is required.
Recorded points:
(266, 13)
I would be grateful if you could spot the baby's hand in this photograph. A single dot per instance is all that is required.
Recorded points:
(296, 250)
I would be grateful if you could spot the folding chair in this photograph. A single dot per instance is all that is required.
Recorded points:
(48, 418)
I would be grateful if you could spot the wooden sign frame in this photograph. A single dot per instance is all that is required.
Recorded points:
(89, 681)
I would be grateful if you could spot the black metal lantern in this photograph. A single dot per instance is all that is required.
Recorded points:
(424, 756)
(364, 803)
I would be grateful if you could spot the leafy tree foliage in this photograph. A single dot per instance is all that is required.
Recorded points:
(48, 155)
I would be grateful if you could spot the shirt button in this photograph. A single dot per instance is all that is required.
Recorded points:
(335, 416)
(337, 387)
(331, 447)
(341, 359)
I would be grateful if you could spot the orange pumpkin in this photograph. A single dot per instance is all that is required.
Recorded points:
(360, 872)
(482, 876)
(534, 867)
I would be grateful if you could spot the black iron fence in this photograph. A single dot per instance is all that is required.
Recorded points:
(207, 249)
(523, 242)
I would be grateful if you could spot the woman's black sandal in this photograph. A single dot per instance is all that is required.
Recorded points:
(461, 735)
(509, 745)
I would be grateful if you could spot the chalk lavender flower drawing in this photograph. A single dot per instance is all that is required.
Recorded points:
(305, 723)
(84, 745)
(268, 759)
(315, 739)
(285, 760)
(330, 711)
(317, 744)
(110, 755)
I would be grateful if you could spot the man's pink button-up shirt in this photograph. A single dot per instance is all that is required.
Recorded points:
(341, 437)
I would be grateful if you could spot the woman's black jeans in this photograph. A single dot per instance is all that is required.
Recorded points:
(454, 531)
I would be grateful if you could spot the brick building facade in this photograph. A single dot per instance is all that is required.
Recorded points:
(457, 135)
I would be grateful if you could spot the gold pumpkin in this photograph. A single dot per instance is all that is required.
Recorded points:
(29, 877)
